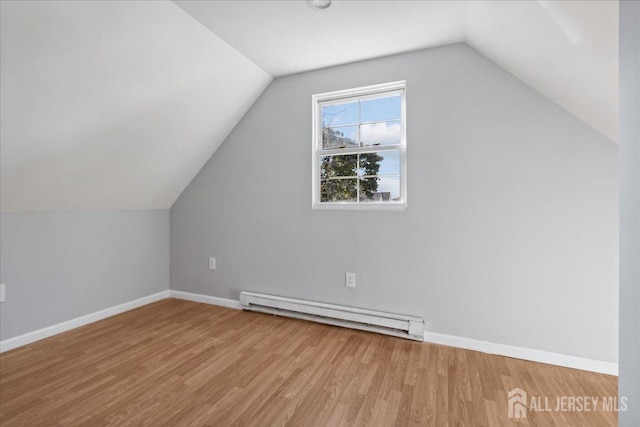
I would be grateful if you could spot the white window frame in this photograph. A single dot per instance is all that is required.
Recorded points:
(349, 95)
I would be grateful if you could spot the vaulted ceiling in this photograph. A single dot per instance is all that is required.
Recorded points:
(566, 50)
(113, 104)
(117, 105)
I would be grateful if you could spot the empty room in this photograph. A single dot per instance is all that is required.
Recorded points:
(320, 213)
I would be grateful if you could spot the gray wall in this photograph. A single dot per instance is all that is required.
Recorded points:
(59, 266)
(510, 234)
(629, 380)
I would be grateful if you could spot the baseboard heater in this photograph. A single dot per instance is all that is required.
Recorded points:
(399, 325)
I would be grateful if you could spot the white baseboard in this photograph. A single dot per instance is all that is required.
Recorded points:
(524, 353)
(533, 355)
(541, 356)
(28, 338)
(207, 299)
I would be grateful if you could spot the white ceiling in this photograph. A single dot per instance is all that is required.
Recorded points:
(286, 37)
(567, 50)
(112, 105)
(117, 105)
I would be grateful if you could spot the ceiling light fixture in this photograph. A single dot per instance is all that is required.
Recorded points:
(319, 4)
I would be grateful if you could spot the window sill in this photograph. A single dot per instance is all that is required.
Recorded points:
(401, 206)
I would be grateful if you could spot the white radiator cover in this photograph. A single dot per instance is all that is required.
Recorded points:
(399, 325)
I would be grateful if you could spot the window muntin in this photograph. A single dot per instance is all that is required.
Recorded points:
(359, 148)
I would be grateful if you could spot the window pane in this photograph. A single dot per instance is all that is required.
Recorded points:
(340, 114)
(339, 190)
(339, 137)
(381, 133)
(380, 189)
(338, 166)
(368, 188)
(376, 110)
(380, 163)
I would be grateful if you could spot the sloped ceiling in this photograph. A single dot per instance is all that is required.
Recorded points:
(117, 105)
(566, 50)
(112, 105)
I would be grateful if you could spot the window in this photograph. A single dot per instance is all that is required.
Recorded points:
(359, 159)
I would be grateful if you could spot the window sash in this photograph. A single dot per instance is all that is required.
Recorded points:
(358, 150)
(319, 104)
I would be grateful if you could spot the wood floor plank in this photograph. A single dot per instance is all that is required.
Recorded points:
(181, 363)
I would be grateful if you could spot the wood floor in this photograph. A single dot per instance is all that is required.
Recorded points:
(180, 363)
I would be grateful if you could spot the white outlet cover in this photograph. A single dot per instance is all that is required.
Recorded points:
(212, 263)
(3, 296)
(350, 280)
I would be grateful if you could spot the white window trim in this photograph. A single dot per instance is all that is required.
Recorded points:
(348, 95)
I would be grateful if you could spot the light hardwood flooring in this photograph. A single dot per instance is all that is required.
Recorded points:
(180, 363)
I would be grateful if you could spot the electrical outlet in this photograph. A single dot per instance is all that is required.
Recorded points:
(350, 280)
(212, 263)
(3, 290)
